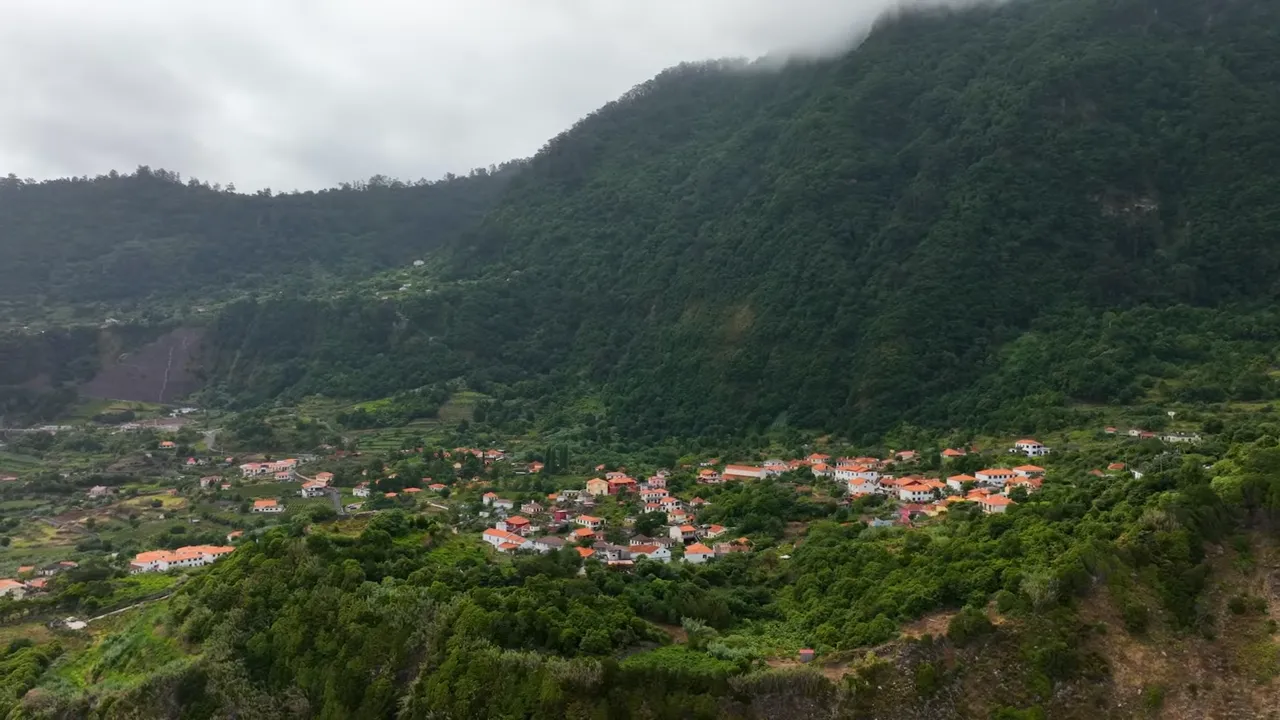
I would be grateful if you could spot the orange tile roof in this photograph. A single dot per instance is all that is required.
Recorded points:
(585, 552)
(698, 549)
(265, 503)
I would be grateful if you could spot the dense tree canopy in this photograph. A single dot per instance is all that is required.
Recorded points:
(968, 220)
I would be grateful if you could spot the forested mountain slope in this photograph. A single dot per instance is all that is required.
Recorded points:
(1055, 199)
(149, 234)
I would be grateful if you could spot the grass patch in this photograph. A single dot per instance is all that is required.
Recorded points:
(462, 406)
(146, 502)
(679, 659)
(122, 659)
(18, 463)
(18, 505)
(1261, 659)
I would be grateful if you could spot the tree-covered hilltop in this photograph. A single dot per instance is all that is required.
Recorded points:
(150, 235)
(971, 216)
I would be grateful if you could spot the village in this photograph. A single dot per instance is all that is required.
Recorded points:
(566, 519)
(611, 517)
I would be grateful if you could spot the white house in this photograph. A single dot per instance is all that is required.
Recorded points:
(861, 486)
(915, 492)
(506, 541)
(845, 473)
(590, 522)
(504, 504)
(669, 504)
(361, 490)
(653, 552)
(1031, 448)
(684, 533)
(744, 472)
(1028, 471)
(994, 504)
(956, 482)
(652, 494)
(190, 556)
(1180, 437)
(698, 553)
(312, 489)
(12, 588)
(267, 506)
(995, 476)
(714, 531)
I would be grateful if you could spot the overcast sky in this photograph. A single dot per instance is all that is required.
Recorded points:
(307, 93)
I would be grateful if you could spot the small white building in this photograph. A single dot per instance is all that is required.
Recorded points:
(1031, 448)
(506, 541)
(698, 553)
(992, 504)
(12, 588)
(683, 533)
(312, 490)
(653, 552)
(267, 505)
(361, 490)
(589, 521)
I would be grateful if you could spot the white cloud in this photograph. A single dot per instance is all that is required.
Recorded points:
(307, 93)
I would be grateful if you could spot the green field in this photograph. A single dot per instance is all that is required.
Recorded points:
(138, 644)
(87, 409)
(18, 463)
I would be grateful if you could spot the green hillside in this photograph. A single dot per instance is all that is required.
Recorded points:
(151, 236)
(973, 218)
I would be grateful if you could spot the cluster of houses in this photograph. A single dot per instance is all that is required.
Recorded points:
(638, 547)
(32, 579)
(989, 488)
(514, 532)
(183, 557)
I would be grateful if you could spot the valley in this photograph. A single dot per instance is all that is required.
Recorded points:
(936, 378)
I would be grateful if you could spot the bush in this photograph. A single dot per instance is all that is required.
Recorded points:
(1136, 616)
(1153, 697)
(926, 679)
(967, 625)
